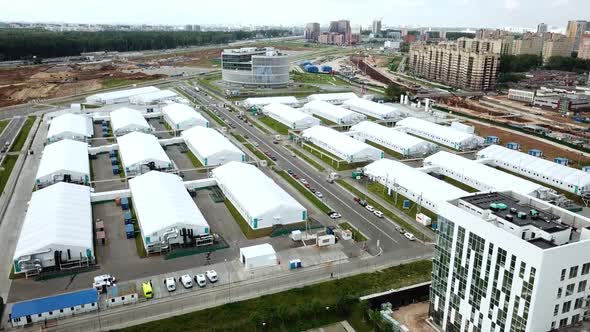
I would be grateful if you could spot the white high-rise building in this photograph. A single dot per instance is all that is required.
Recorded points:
(509, 262)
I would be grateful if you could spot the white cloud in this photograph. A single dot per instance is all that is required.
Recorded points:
(511, 4)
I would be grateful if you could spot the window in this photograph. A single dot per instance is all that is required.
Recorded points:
(575, 318)
(82, 306)
(585, 268)
(579, 302)
(61, 310)
(582, 286)
(569, 290)
(552, 325)
(566, 307)
(563, 322)
(93, 304)
(72, 308)
(51, 312)
(556, 310)
(563, 275)
(573, 272)
(112, 300)
(559, 290)
(39, 315)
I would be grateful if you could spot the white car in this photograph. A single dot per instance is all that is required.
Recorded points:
(378, 213)
(370, 208)
(410, 236)
(319, 194)
(103, 281)
(211, 276)
(201, 280)
(334, 215)
(304, 181)
(256, 144)
(170, 284)
(186, 281)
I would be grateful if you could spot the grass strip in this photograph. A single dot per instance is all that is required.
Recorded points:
(275, 125)
(307, 158)
(259, 154)
(21, 138)
(195, 161)
(356, 235)
(459, 185)
(6, 169)
(258, 125)
(3, 125)
(331, 159)
(305, 192)
(249, 233)
(238, 137)
(390, 152)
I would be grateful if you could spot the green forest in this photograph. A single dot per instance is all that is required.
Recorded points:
(24, 44)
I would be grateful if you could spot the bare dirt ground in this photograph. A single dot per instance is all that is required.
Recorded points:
(414, 317)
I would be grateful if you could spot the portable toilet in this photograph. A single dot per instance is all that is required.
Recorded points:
(326, 69)
(513, 145)
(562, 161)
(129, 231)
(112, 154)
(104, 122)
(125, 203)
(127, 217)
(536, 152)
(492, 140)
(586, 168)
(114, 161)
(115, 169)
(406, 204)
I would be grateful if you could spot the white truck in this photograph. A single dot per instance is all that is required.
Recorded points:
(332, 177)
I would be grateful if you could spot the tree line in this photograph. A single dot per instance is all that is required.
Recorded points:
(25, 44)
(525, 62)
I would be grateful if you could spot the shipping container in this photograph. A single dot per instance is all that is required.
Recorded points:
(129, 231)
(536, 152)
(562, 161)
(125, 203)
(513, 145)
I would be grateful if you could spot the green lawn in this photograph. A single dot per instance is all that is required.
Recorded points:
(259, 153)
(410, 228)
(113, 82)
(257, 125)
(214, 117)
(139, 246)
(275, 125)
(325, 121)
(195, 161)
(390, 152)
(3, 125)
(21, 138)
(307, 158)
(311, 197)
(356, 235)
(319, 78)
(246, 229)
(7, 166)
(459, 185)
(330, 158)
(298, 309)
(240, 138)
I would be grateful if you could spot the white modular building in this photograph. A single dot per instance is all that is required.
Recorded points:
(57, 229)
(333, 98)
(258, 199)
(372, 109)
(341, 145)
(141, 153)
(400, 142)
(439, 134)
(258, 256)
(125, 120)
(552, 174)
(414, 184)
(70, 126)
(120, 96)
(333, 113)
(166, 213)
(483, 178)
(263, 101)
(182, 117)
(290, 117)
(153, 98)
(211, 147)
(67, 161)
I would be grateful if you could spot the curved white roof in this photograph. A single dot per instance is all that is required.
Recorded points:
(137, 147)
(151, 97)
(106, 97)
(208, 141)
(179, 113)
(126, 117)
(161, 201)
(263, 101)
(255, 192)
(391, 138)
(341, 144)
(69, 123)
(372, 108)
(486, 175)
(68, 155)
(444, 134)
(290, 116)
(59, 215)
(332, 97)
(333, 113)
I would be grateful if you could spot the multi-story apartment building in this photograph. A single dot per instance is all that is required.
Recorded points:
(450, 64)
(574, 31)
(557, 45)
(584, 50)
(542, 28)
(529, 43)
(376, 28)
(312, 32)
(498, 46)
(342, 27)
(509, 262)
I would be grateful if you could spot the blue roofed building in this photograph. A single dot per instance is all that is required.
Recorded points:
(54, 307)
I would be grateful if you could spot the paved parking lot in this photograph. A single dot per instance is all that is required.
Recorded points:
(103, 177)
(183, 163)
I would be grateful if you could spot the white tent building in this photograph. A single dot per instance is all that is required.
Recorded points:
(290, 117)
(372, 109)
(336, 114)
(141, 153)
(332, 98)
(58, 225)
(153, 98)
(417, 186)
(120, 96)
(341, 145)
(182, 117)
(211, 147)
(552, 174)
(482, 177)
(125, 120)
(70, 126)
(443, 135)
(400, 142)
(263, 101)
(67, 161)
(260, 201)
(258, 256)
(165, 211)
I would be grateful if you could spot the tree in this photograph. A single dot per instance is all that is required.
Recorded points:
(568, 64)
(393, 92)
(520, 63)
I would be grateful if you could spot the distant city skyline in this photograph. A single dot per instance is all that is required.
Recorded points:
(440, 13)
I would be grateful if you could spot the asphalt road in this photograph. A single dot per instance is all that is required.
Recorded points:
(9, 134)
(376, 229)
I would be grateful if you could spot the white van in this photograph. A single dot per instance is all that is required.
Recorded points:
(211, 275)
(170, 284)
(201, 280)
(186, 281)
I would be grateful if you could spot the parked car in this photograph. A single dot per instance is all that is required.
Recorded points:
(201, 280)
(170, 284)
(307, 185)
(378, 213)
(410, 236)
(319, 194)
(211, 276)
(362, 202)
(147, 289)
(102, 282)
(356, 199)
(401, 230)
(273, 158)
(290, 171)
(334, 215)
(304, 181)
(274, 141)
(256, 144)
(370, 208)
(186, 281)
(295, 176)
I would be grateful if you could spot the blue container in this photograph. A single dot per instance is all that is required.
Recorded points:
(562, 161)
(306, 63)
(112, 154)
(299, 264)
(536, 152)
(586, 168)
(129, 231)
(114, 161)
(492, 140)
(105, 123)
(406, 204)
(326, 69)
(513, 145)
(125, 203)
(312, 69)
(292, 265)
(116, 170)
(329, 230)
(127, 217)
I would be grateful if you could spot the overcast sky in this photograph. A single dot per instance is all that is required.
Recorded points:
(474, 13)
